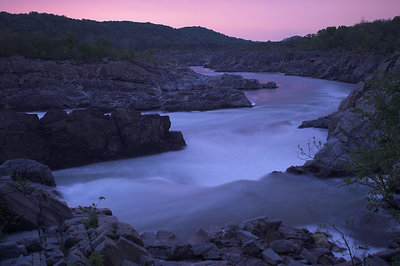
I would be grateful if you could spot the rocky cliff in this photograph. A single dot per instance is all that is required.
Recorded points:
(33, 85)
(38, 228)
(63, 140)
(341, 66)
(346, 128)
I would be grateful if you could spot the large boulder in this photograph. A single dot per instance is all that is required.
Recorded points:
(83, 136)
(29, 170)
(20, 137)
(30, 206)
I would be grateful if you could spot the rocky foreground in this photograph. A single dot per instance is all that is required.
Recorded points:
(38, 85)
(38, 228)
(63, 140)
(346, 128)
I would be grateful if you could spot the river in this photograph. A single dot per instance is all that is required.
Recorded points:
(223, 175)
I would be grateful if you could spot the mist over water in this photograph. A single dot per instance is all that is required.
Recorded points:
(223, 173)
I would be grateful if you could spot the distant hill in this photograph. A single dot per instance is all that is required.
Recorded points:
(378, 36)
(121, 34)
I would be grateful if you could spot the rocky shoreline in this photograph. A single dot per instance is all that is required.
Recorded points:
(63, 140)
(40, 229)
(38, 85)
(331, 65)
(346, 129)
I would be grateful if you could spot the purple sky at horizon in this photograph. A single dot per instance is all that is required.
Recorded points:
(258, 20)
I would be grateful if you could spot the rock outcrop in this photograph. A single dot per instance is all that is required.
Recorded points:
(38, 228)
(346, 129)
(38, 85)
(340, 66)
(63, 140)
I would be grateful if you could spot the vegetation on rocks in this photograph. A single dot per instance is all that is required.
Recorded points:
(376, 161)
(93, 220)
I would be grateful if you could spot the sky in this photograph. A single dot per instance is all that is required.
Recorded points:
(258, 20)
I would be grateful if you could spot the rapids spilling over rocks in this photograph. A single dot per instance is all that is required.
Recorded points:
(45, 231)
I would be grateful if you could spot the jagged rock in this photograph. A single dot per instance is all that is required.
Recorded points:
(246, 236)
(252, 248)
(290, 246)
(322, 122)
(207, 251)
(269, 85)
(37, 258)
(31, 240)
(29, 170)
(271, 257)
(12, 250)
(387, 254)
(202, 100)
(199, 237)
(296, 233)
(33, 205)
(20, 137)
(74, 234)
(84, 136)
(345, 66)
(347, 129)
(375, 261)
(260, 226)
(29, 85)
(309, 256)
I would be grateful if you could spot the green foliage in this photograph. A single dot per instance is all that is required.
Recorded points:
(376, 161)
(93, 220)
(379, 35)
(95, 259)
(7, 107)
(308, 153)
(121, 35)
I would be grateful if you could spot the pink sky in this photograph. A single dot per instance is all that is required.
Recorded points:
(258, 20)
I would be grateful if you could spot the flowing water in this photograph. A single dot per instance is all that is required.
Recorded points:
(223, 175)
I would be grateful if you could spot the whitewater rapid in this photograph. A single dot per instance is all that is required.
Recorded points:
(223, 173)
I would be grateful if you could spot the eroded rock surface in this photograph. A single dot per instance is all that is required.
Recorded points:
(63, 140)
(346, 128)
(32, 85)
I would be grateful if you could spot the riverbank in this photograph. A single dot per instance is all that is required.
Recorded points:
(50, 233)
(341, 66)
(40, 85)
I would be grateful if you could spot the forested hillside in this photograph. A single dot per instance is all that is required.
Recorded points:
(379, 35)
(48, 36)
(121, 34)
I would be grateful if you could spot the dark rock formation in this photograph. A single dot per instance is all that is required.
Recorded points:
(321, 122)
(33, 85)
(340, 66)
(28, 206)
(346, 129)
(29, 170)
(84, 136)
(266, 243)
(50, 233)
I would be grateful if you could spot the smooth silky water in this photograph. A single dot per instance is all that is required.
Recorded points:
(223, 175)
